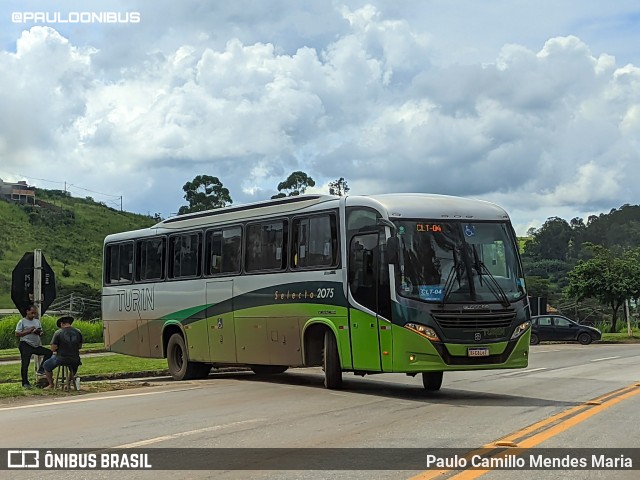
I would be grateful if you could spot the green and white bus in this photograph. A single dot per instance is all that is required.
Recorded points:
(409, 283)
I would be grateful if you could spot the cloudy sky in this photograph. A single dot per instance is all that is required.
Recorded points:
(532, 105)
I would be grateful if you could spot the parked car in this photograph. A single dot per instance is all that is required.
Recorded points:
(559, 328)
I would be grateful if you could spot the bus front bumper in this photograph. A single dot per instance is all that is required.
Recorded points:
(422, 355)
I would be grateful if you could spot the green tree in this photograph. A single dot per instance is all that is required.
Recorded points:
(295, 184)
(538, 286)
(608, 278)
(619, 227)
(551, 241)
(338, 187)
(204, 193)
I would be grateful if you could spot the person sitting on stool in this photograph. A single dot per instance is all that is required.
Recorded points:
(29, 331)
(65, 345)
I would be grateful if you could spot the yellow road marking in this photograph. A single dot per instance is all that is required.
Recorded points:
(527, 436)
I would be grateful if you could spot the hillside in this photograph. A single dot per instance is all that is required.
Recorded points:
(70, 231)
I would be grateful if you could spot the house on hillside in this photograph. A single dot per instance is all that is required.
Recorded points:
(18, 192)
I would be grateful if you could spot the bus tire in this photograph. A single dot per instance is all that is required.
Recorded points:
(432, 381)
(180, 367)
(268, 369)
(331, 362)
(534, 339)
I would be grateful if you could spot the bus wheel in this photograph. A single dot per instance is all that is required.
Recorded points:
(268, 369)
(331, 362)
(432, 381)
(179, 367)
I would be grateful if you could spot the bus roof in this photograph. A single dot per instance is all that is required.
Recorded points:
(442, 207)
(396, 205)
(279, 206)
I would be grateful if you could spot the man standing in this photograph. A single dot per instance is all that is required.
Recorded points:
(29, 331)
(65, 344)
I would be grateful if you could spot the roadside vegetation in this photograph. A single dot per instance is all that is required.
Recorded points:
(14, 354)
(70, 231)
(97, 374)
(105, 367)
(91, 330)
(587, 269)
(94, 369)
(622, 336)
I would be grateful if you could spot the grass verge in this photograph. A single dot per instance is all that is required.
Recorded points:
(13, 390)
(621, 337)
(14, 353)
(109, 366)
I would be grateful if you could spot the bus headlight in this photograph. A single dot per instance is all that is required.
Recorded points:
(426, 332)
(520, 329)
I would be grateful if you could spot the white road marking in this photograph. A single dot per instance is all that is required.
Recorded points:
(548, 351)
(187, 433)
(601, 359)
(522, 372)
(92, 399)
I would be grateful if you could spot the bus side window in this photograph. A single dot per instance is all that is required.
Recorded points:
(185, 253)
(213, 253)
(314, 242)
(119, 263)
(126, 262)
(150, 259)
(223, 252)
(112, 262)
(231, 250)
(360, 220)
(266, 243)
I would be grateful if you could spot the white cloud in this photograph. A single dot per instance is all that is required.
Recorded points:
(238, 94)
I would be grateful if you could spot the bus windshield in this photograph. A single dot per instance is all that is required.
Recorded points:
(458, 262)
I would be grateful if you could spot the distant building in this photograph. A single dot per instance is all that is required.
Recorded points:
(18, 192)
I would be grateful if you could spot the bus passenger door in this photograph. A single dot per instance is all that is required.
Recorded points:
(220, 322)
(363, 286)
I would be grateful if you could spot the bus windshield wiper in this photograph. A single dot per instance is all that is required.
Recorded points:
(492, 284)
(448, 284)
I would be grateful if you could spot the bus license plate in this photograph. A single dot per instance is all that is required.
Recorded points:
(478, 352)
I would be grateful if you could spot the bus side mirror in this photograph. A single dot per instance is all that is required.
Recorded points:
(393, 250)
(393, 244)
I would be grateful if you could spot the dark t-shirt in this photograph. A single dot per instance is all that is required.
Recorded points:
(69, 341)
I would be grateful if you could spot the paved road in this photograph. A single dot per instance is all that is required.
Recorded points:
(242, 410)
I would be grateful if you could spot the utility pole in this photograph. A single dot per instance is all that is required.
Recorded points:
(120, 202)
(626, 313)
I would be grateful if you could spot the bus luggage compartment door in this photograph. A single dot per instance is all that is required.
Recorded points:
(220, 322)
